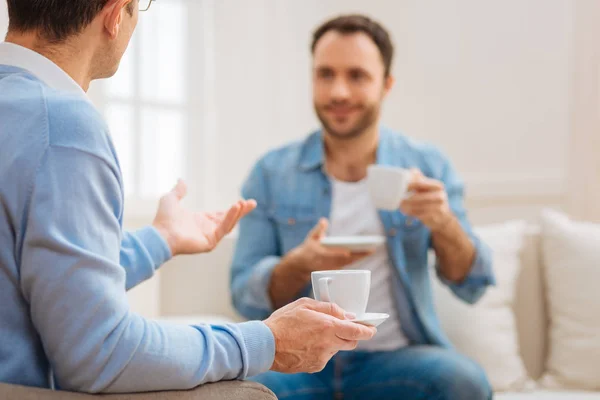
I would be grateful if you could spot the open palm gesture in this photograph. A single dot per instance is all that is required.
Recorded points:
(189, 232)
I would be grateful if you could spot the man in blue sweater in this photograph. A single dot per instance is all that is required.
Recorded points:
(65, 263)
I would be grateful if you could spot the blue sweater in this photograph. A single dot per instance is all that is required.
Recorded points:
(65, 264)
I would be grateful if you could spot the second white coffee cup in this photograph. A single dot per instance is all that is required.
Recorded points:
(349, 289)
(388, 186)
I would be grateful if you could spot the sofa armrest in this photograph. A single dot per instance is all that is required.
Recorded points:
(213, 391)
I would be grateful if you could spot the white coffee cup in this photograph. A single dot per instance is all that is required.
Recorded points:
(349, 289)
(388, 186)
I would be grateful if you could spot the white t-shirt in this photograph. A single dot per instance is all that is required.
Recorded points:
(353, 213)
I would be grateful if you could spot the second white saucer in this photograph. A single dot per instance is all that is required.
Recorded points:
(371, 319)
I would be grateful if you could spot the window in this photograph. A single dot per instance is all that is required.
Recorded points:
(148, 104)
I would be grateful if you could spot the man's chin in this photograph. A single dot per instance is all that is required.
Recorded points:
(105, 74)
(343, 133)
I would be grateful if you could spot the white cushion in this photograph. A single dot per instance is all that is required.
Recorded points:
(571, 252)
(530, 307)
(486, 332)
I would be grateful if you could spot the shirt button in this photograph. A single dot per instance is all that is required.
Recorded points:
(291, 221)
(392, 232)
(410, 222)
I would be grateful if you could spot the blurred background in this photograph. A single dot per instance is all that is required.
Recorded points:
(510, 90)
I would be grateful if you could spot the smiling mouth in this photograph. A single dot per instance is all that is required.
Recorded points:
(340, 111)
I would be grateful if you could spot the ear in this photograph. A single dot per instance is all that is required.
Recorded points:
(113, 16)
(388, 85)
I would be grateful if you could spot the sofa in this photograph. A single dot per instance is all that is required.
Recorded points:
(195, 289)
(216, 391)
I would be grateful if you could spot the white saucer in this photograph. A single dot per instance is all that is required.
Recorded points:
(371, 319)
(354, 243)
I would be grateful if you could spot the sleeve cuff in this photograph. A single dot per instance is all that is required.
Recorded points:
(481, 273)
(259, 282)
(260, 345)
(155, 244)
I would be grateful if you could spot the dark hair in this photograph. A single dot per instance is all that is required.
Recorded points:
(355, 23)
(55, 20)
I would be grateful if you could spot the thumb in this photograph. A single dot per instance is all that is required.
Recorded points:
(416, 174)
(319, 230)
(180, 190)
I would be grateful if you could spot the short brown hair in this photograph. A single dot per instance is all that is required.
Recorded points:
(354, 23)
(55, 20)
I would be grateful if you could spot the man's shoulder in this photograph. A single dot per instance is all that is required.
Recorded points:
(288, 156)
(399, 142)
(75, 123)
(21, 94)
(50, 117)
(414, 153)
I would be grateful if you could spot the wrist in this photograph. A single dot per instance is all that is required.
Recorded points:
(167, 237)
(297, 264)
(444, 223)
(270, 324)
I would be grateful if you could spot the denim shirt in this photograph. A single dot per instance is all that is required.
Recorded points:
(293, 192)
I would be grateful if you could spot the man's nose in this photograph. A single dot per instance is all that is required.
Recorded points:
(340, 89)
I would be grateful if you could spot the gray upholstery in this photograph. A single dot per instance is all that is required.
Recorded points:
(215, 391)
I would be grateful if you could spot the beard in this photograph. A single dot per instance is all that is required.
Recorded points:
(369, 116)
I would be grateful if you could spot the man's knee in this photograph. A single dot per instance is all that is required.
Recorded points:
(292, 386)
(465, 379)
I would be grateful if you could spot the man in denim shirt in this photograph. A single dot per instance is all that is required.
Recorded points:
(317, 186)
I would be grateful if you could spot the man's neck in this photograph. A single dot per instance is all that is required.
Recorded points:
(72, 58)
(347, 159)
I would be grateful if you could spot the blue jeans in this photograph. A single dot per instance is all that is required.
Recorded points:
(416, 372)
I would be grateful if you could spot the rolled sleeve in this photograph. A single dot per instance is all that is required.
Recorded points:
(481, 275)
(256, 254)
(259, 283)
(479, 278)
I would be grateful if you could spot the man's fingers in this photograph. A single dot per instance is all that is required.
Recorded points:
(344, 258)
(319, 230)
(216, 216)
(425, 184)
(334, 252)
(180, 189)
(327, 308)
(346, 345)
(416, 212)
(354, 257)
(425, 198)
(352, 331)
(249, 206)
(228, 221)
(416, 173)
(237, 217)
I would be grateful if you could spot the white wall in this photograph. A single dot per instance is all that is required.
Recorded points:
(487, 81)
(3, 19)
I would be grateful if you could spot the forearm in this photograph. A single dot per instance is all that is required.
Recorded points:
(142, 253)
(454, 250)
(79, 306)
(288, 280)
